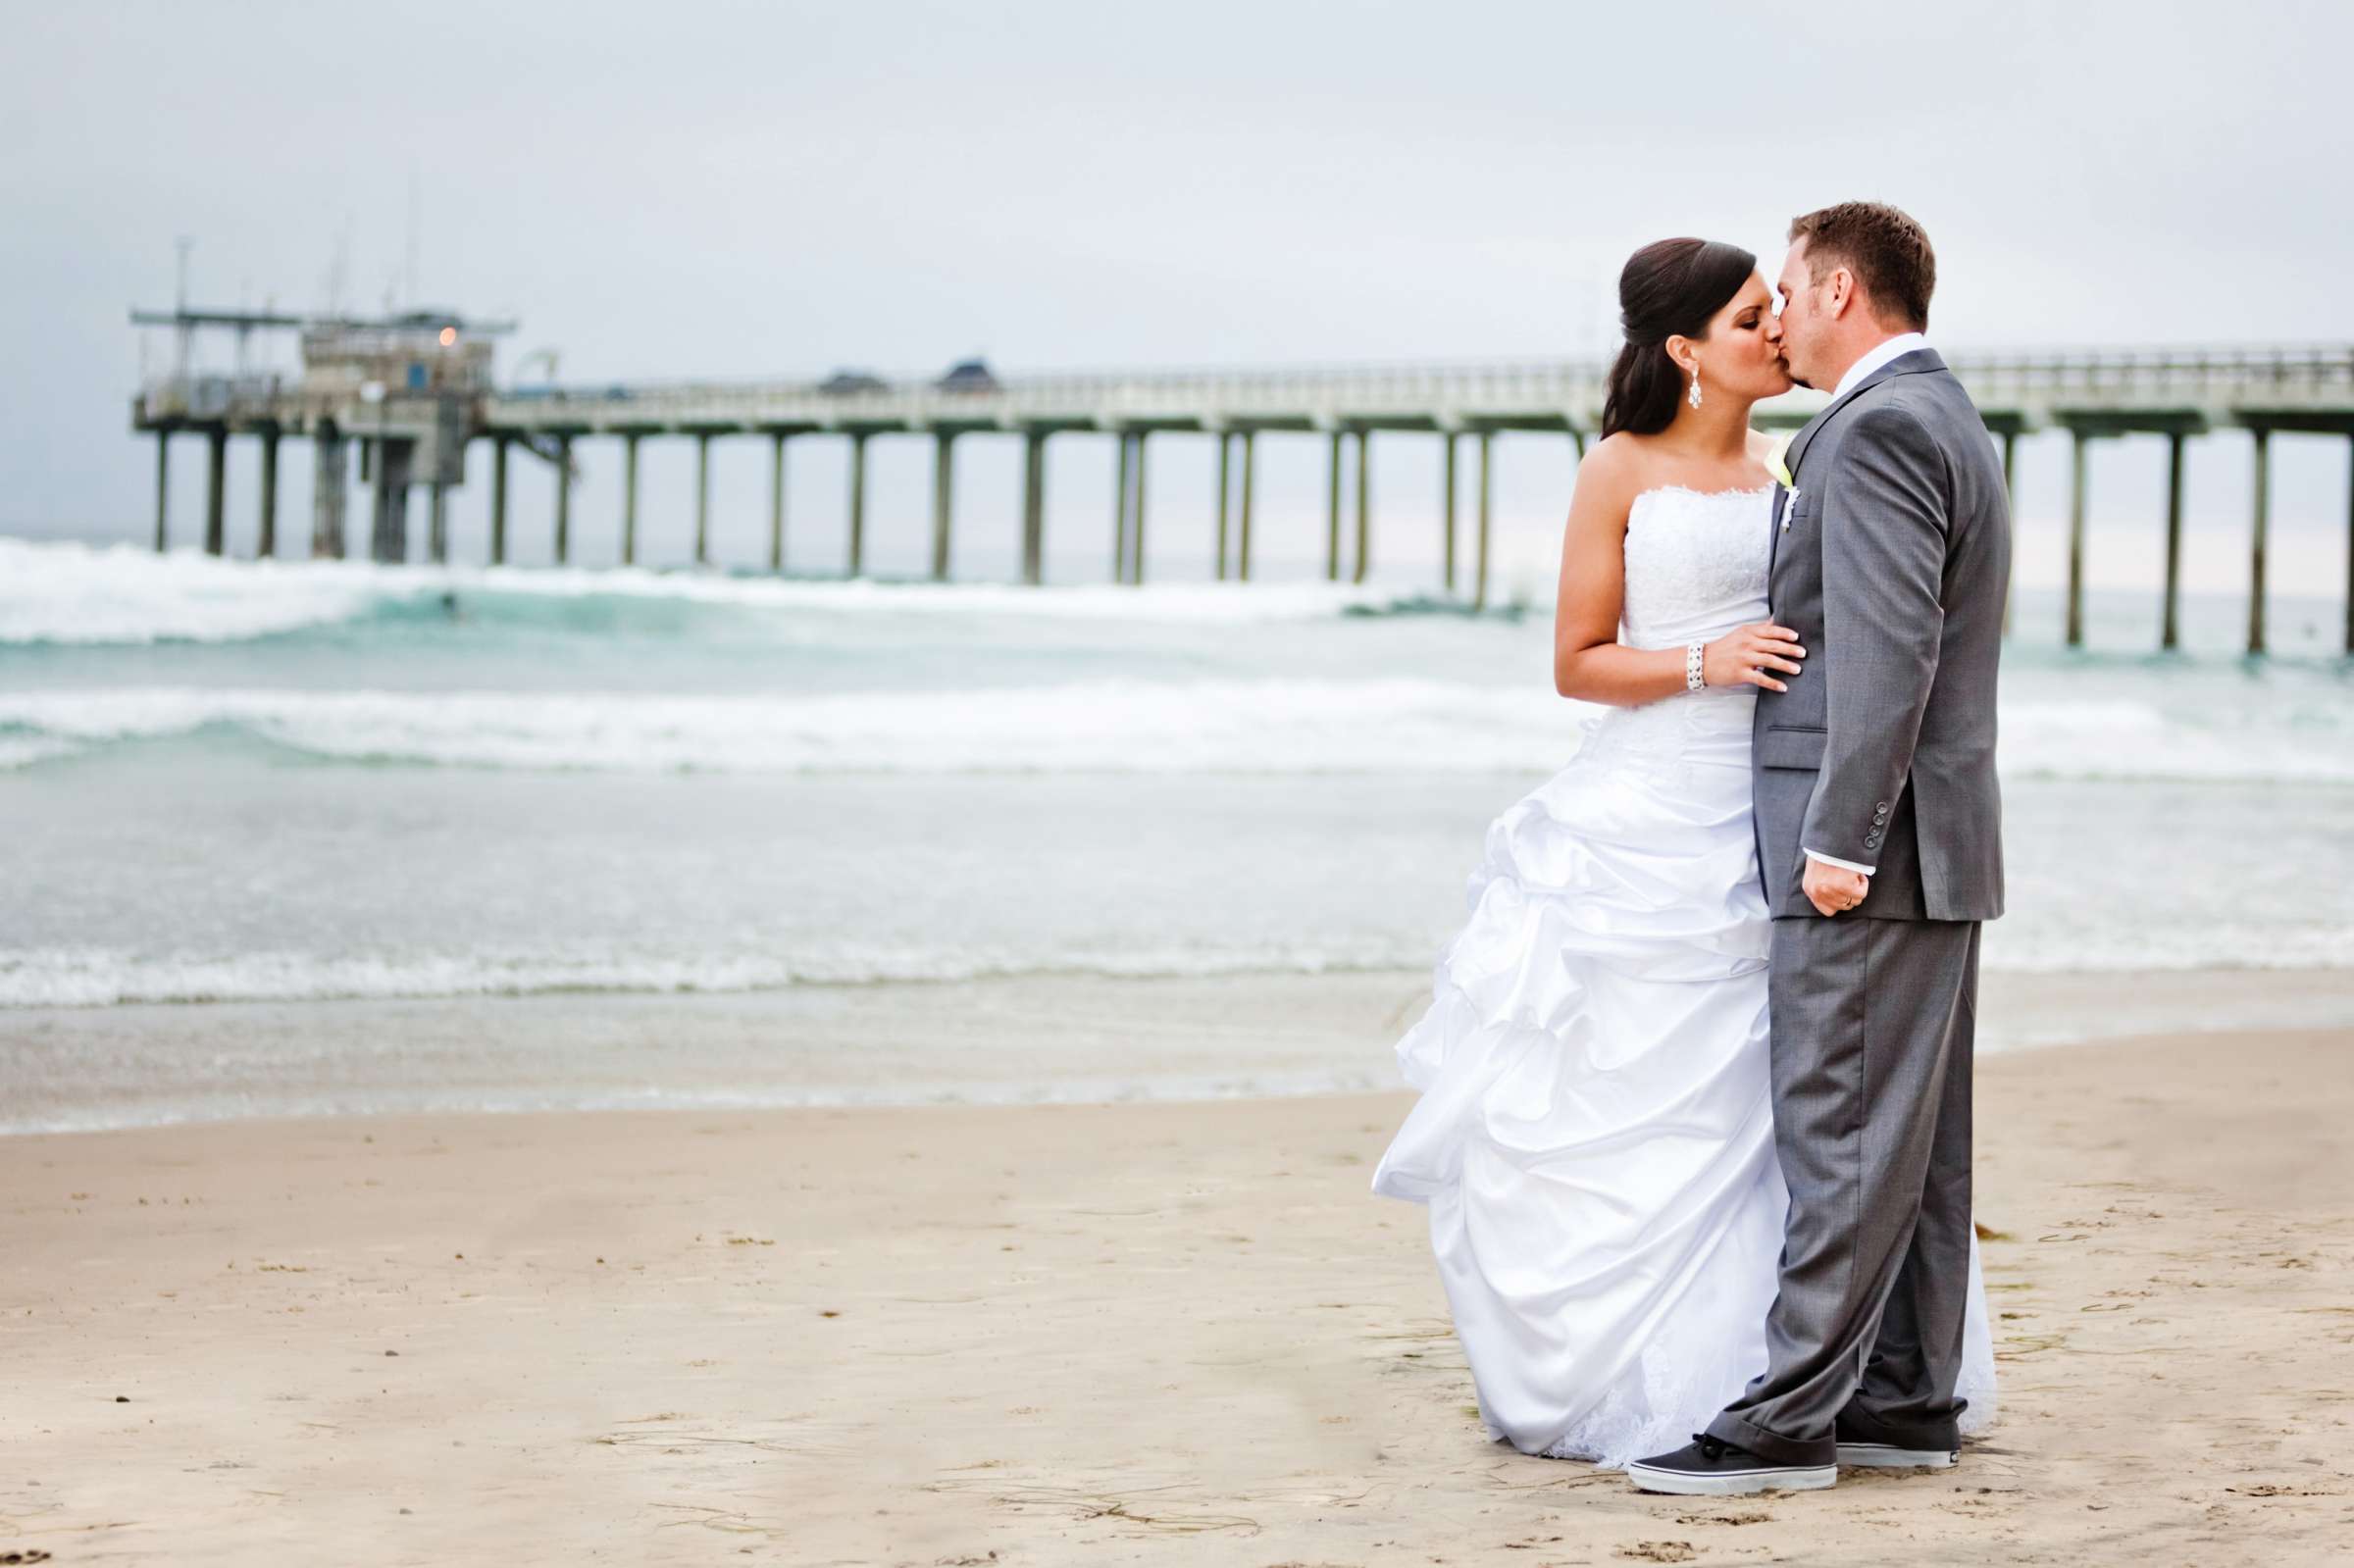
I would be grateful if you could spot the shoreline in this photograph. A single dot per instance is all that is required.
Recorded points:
(1173, 1333)
(1003, 1040)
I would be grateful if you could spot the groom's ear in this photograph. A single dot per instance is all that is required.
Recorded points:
(1839, 292)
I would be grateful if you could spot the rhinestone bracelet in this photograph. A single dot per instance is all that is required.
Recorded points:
(1694, 679)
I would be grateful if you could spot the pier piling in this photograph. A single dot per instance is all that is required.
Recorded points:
(1135, 514)
(628, 497)
(330, 476)
(1119, 507)
(2170, 631)
(388, 534)
(776, 500)
(944, 500)
(163, 489)
(1365, 502)
(1479, 559)
(216, 442)
(2075, 539)
(1034, 506)
(437, 527)
(1242, 553)
(1332, 510)
(2263, 509)
(498, 499)
(1225, 491)
(857, 503)
(563, 499)
(1447, 442)
(268, 543)
(702, 498)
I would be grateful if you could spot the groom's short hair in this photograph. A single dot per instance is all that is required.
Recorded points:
(1886, 250)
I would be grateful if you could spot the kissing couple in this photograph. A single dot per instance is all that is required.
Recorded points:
(1693, 1126)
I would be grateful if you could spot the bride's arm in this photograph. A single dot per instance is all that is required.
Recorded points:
(1589, 663)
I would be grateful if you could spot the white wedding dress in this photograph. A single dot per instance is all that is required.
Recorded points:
(1595, 1133)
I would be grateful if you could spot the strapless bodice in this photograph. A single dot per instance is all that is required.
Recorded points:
(1696, 563)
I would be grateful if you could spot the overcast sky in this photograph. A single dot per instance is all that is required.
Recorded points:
(700, 189)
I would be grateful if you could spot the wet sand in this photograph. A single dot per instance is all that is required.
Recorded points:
(1167, 1333)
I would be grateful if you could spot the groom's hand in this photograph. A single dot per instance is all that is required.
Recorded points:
(1831, 889)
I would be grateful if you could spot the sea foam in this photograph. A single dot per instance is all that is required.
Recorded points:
(76, 594)
(1272, 725)
(79, 977)
(1115, 727)
(99, 978)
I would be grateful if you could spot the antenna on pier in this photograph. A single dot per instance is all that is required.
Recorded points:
(183, 243)
(409, 270)
(244, 333)
(339, 269)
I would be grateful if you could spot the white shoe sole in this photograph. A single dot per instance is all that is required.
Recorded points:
(1884, 1456)
(1738, 1484)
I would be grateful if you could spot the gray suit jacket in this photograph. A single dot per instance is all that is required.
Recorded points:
(1892, 566)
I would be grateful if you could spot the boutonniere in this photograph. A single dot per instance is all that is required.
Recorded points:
(1777, 463)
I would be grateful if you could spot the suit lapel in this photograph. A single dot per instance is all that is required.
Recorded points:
(1913, 364)
(1784, 495)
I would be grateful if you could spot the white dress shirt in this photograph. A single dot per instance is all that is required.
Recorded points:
(1874, 358)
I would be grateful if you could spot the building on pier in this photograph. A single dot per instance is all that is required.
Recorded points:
(369, 386)
(410, 388)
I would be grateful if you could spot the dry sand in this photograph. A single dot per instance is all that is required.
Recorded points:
(1092, 1335)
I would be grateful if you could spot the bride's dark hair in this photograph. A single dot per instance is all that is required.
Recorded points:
(1671, 287)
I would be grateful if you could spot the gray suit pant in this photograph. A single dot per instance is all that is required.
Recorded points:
(1872, 1024)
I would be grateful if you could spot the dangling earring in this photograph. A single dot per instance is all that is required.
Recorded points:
(1695, 398)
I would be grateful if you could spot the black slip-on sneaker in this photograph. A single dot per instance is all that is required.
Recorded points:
(1869, 1445)
(1712, 1467)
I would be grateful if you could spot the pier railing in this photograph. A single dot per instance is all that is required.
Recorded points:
(1423, 396)
(2030, 389)
(2034, 387)
(2191, 377)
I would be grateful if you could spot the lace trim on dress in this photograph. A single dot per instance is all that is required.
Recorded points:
(1705, 495)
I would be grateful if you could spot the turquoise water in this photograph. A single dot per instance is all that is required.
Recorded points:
(305, 782)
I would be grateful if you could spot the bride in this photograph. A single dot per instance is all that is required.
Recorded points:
(1595, 1134)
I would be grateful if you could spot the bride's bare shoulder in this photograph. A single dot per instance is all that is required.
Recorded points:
(1614, 466)
(1618, 450)
(1612, 472)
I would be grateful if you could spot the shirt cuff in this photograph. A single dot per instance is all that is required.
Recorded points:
(1843, 865)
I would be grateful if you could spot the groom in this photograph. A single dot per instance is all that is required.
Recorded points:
(1879, 838)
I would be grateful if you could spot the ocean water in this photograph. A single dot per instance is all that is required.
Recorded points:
(312, 783)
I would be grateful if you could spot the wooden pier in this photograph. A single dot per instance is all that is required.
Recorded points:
(415, 391)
